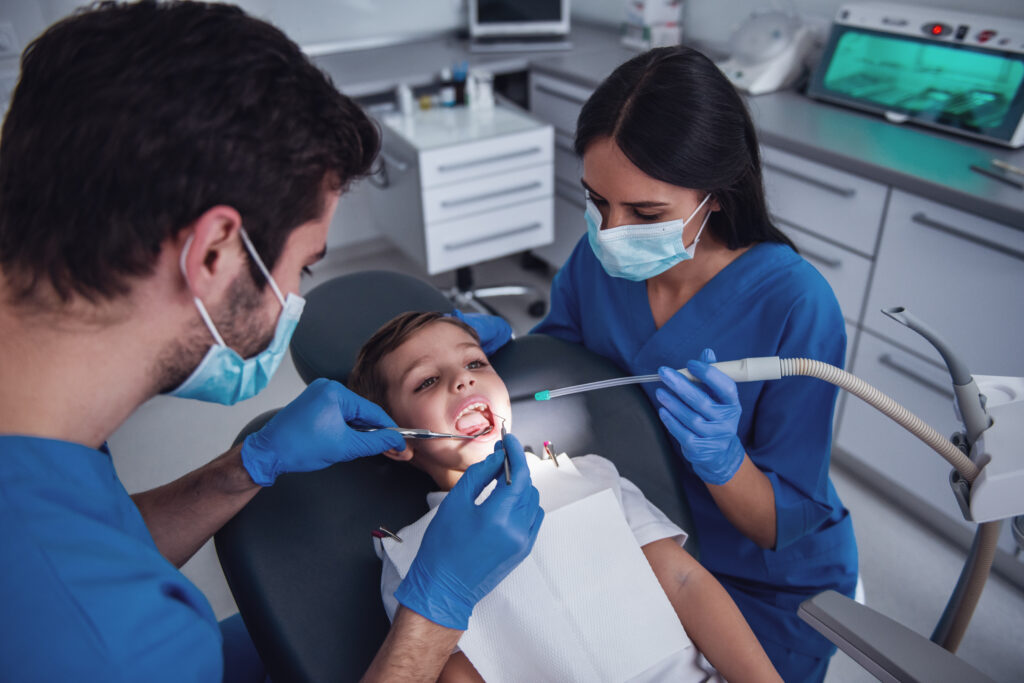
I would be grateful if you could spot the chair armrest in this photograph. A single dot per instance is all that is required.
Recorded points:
(886, 649)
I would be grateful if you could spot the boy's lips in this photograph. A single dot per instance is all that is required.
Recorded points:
(474, 417)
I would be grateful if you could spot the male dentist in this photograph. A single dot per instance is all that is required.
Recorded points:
(167, 171)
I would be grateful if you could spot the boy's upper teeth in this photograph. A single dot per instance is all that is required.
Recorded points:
(472, 406)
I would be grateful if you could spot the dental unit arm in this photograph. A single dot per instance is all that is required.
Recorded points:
(987, 481)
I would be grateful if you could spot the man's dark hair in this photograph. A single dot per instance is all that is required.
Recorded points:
(131, 120)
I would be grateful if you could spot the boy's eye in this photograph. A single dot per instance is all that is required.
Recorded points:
(476, 364)
(425, 383)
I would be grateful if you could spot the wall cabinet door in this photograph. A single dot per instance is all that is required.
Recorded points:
(846, 271)
(835, 205)
(962, 275)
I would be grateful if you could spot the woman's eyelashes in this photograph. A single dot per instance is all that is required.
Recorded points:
(598, 202)
(475, 364)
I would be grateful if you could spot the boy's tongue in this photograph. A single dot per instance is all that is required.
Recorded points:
(472, 422)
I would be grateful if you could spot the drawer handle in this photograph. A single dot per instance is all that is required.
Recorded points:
(821, 258)
(834, 189)
(444, 168)
(449, 203)
(921, 219)
(453, 246)
(889, 362)
(571, 197)
(560, 95)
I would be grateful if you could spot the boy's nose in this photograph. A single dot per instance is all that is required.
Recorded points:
(464, 383)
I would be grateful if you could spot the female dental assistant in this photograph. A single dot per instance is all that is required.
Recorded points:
(681, 257)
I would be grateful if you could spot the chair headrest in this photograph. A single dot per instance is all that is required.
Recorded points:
(342, 313)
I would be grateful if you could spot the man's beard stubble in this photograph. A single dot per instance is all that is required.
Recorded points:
(238, 322)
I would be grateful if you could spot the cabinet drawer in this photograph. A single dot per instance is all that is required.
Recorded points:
(886, 448)
(959, 273)
(490, 235)
(568, 166)
(557, 102)
(845, 271)
(833, 204)
(475, 159)
(490, 192)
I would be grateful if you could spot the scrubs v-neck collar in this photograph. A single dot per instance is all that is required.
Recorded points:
(729, 283)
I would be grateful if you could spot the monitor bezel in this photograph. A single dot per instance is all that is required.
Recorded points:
(518, 28)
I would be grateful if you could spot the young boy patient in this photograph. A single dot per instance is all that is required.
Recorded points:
(428, 371)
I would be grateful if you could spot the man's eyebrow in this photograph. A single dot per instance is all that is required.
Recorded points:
(319, 256)
(638, 205)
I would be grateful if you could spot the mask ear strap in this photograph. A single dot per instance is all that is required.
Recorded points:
(199, 304)
(259, 262)
(703, 223)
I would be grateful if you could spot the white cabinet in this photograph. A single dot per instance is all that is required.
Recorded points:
(558, 102)
(835, 205)
(833, 218)
(460, 186)
(963, 276)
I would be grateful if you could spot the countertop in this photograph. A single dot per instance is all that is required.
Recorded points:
(921, 161)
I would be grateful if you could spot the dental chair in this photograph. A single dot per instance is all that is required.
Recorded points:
(299, 557)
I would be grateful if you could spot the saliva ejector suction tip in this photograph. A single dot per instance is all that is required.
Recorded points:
(542, 395)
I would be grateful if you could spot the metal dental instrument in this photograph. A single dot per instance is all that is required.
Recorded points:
(410, 433)
(550, 448)
(508, 473)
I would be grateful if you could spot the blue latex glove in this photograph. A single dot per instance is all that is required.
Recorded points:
(468, 548)
(311, 433)
(494, 332)
(703, 418)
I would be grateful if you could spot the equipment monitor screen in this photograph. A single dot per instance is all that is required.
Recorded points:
(518, 17)
(952, 86)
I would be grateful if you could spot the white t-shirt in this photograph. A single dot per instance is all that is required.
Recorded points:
(647, 523)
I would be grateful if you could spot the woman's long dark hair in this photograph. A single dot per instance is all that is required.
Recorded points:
(679, 120)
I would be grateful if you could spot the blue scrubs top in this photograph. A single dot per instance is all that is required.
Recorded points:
(85, 594)
(768, 302)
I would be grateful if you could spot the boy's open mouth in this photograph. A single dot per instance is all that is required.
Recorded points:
(474, 419)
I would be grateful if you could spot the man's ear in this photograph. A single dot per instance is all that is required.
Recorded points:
(215, 253)
(402, 456)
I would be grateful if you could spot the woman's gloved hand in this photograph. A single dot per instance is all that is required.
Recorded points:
(311, 433)
(494, 332)
(468, 549)
(703, 418)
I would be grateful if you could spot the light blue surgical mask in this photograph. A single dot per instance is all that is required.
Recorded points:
(639, 252)
(223, 376)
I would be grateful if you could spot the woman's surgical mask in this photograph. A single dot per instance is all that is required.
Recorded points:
(639, 252)
(223, 376)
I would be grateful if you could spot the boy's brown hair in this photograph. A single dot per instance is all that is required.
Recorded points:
(366, 378)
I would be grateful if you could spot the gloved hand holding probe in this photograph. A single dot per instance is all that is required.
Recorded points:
(703, 418)
(468, 548)
(311, 433)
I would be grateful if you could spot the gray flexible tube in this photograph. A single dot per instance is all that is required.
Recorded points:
(829, 373)
(954, 620)
(960, 608)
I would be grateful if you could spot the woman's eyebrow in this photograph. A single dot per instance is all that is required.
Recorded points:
(637, 205)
